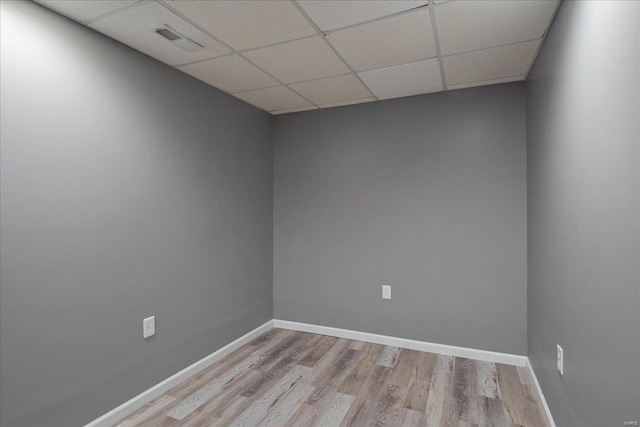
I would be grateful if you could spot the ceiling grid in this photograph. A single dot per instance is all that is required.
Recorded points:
(434, 27)
(234, 52)
(294, 55)
(533, 60)
(324, 37)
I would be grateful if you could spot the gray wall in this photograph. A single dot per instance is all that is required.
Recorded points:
(128, 189)
(425, 193)
(583, 110)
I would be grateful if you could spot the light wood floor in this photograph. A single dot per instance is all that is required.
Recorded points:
(287, 378)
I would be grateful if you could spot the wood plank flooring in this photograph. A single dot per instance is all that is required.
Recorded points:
(288, 378)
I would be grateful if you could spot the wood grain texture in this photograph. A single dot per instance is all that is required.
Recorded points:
(209, 390)
(487, 380)
(282, 410)
(389, 356)
(316, 353)
(228, 404)
(523, 374)
(403, 370)
(491, 412)
(223, 414)
(420, 382)
(410, 418)
(357, 345)
(334, 412)
(274, 369)
(363, 410)
(511, 390)
(333, 375)
(297, 379)
(440, 405)
(187, 387)
(388, 406)
(358, 376)
(253, 415)
(150, 410)
(464, 390)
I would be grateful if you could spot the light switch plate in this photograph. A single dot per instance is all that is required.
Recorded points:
(560, 361)
(386, 291)
(149, 325)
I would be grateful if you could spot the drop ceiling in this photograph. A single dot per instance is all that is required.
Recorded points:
(285, 56)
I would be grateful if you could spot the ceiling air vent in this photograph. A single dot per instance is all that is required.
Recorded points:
(177, 39)
(167, 34)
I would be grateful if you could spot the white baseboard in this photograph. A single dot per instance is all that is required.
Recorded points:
(532, 374)
(147, 396)
(450, 350)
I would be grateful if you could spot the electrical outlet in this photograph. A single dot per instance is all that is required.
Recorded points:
(560, 360)
(149, 326)
(386, 291)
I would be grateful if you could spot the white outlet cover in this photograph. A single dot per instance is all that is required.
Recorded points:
(386, 291)
(560, 361)
(149, 326)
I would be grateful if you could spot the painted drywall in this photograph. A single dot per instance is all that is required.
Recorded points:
(583, 113)
(129, 189)
(427, 194)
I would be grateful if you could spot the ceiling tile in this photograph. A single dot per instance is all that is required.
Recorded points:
(351, 102)
(332, 14)
(295, 110)
(85, 10)
(390, 41)
(469, 25)
(231, 73)
(135, 27)
(333, 89)
(300, 60)
(489, 64)
(274, 98)
(486, 83)
(410, 78)
(247, 24)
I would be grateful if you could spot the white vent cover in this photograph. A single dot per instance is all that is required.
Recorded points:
(177, 39)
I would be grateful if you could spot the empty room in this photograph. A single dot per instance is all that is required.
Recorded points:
(320, 213)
